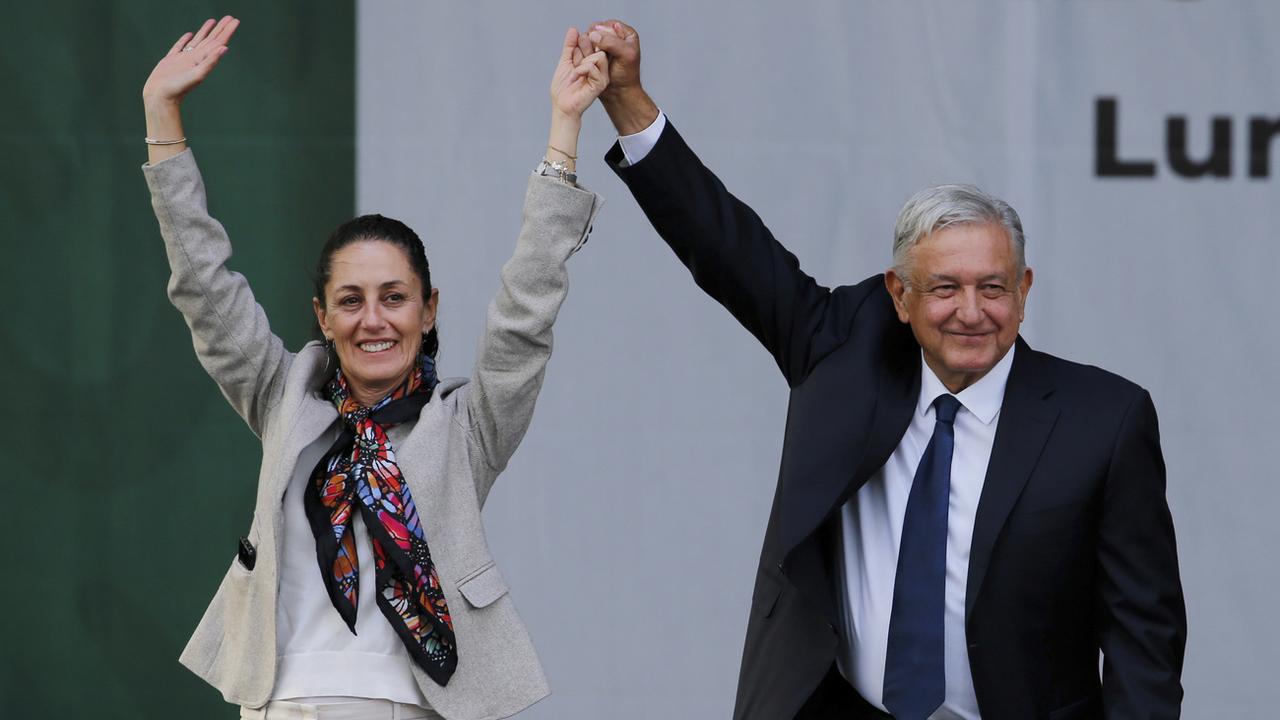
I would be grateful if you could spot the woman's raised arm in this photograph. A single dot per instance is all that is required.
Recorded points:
(229, 330)
(185, 66)
(557, 217)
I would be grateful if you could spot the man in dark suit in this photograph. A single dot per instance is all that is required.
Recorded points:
(962, 524)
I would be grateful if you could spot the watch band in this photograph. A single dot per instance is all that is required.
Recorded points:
(558, 170)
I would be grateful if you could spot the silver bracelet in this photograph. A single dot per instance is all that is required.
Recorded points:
(153, 141)
(558, 170)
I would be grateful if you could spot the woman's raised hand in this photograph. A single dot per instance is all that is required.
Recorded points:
(186, 65)
(578, 79)
(189, 62)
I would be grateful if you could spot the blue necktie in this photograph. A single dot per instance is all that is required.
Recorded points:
(915, 682)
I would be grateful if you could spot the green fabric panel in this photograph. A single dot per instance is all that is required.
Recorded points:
(129, 479)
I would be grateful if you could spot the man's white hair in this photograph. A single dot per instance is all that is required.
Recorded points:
(941, 206)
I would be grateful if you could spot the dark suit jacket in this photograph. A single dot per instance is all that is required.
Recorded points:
(1073, 548)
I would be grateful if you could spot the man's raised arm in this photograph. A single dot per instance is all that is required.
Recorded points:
(732, 255)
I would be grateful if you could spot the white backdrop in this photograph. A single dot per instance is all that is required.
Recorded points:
(630, 521)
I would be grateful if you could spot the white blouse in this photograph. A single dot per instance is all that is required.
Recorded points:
(317, 657)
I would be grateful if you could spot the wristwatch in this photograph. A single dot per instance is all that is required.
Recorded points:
(558, 170)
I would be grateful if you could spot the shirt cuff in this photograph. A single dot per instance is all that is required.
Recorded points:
(636, 147)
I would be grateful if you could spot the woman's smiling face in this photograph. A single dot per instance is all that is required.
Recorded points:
(375, 311)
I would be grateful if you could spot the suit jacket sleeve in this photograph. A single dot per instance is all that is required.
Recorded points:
(1143, 622)
(229, 330)
(516, 343)
(732, 255)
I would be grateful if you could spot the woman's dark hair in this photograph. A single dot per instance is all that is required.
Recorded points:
(388, 230)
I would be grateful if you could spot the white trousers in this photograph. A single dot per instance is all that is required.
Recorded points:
(358, 710)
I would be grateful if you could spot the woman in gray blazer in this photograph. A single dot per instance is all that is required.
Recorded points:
(365, 587)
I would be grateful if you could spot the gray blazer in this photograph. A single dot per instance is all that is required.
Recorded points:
(463, 438)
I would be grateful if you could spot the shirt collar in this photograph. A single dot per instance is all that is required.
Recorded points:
(982, 398)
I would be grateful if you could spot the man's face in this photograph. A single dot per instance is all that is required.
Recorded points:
(964, 299)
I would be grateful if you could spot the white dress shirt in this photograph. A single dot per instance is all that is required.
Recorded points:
(635, 147)
(871, 522)
(871, 529)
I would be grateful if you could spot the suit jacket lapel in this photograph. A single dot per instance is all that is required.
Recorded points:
(806, 535)
(1027, 417)
(813, 498)
(896, 395)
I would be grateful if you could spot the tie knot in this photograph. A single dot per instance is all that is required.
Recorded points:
(946, 407)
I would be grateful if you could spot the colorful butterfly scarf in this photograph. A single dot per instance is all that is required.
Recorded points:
(359, 472)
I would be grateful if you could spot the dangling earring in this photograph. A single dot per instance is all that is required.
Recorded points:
(328, 351)
(427, 363)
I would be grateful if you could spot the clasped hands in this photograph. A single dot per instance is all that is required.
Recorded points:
(628, 105)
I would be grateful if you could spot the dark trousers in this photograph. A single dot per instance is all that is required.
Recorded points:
(835, 699)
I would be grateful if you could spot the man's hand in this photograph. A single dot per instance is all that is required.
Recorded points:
(622, 43)
(628, 105)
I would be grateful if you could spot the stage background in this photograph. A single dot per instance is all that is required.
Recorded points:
(629, 523)
(130, 478)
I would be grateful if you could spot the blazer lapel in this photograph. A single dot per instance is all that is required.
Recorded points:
(1026, 419)
(313, 416)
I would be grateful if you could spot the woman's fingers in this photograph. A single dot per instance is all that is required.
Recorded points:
(596, 77)
(189, 61)
(182, 42)
(224, 36)
(215, 41)
(593, 72)
(201, 34)
(595, 60)
(600, 71)
(213, 37)
(570, 44)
